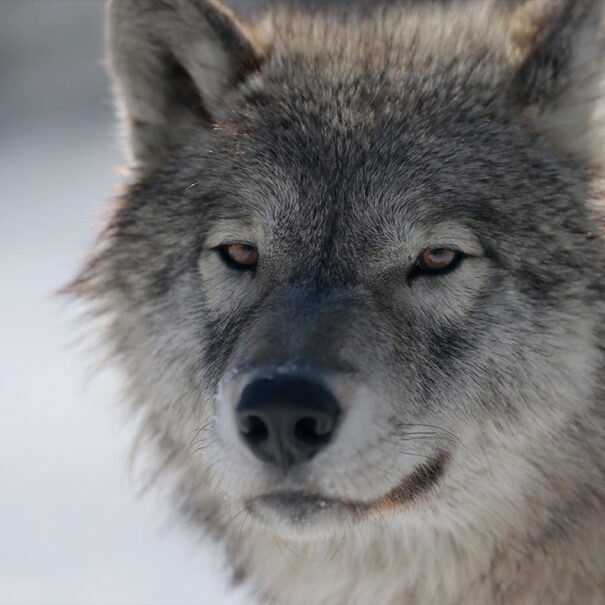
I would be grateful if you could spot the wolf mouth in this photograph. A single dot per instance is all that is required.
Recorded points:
(299, 508)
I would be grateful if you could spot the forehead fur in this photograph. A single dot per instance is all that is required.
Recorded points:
(352, 109)
(390, 58)
(389, 39)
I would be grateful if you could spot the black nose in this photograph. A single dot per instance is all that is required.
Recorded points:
(286, 420)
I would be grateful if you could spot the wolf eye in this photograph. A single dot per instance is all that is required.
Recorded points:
(239, 256)
(434, 261)
(437, 259)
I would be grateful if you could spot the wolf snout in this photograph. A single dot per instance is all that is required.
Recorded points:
(286, 420)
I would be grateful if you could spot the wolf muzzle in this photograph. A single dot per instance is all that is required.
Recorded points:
(286, 420)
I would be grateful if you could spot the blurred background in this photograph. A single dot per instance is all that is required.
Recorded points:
(72, 529)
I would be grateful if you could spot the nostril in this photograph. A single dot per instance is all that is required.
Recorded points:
(304, 430)
(312, 430)
(254, 429)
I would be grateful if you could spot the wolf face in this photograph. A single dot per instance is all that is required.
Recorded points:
(358, 279)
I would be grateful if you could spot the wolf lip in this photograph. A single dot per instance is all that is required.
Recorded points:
(292, 509)
(299, 508)
(303, 502)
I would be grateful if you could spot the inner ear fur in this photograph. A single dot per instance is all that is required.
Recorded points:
(558, 50)
(172, 62)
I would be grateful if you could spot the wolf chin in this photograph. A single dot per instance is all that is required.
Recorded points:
(355, 287)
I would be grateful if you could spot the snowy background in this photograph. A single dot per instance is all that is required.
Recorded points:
(72, 529)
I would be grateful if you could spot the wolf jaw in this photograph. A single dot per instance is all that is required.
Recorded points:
(462, 458)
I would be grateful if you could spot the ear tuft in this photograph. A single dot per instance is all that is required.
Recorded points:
(530, 24)
(557, 48)
(173, 62)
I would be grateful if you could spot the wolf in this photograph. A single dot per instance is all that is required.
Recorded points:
(355, 289)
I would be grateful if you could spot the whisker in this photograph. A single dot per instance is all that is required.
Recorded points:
(281, 552)
(198, 431)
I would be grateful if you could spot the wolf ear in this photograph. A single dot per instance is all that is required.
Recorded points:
(172, 62)
(558, 50)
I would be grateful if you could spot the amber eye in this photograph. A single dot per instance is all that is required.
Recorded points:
(438, 260)
(240, 256)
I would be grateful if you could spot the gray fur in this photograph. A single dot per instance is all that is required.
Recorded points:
(342, 143)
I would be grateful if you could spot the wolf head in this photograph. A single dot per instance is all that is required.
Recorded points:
(358, 273)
